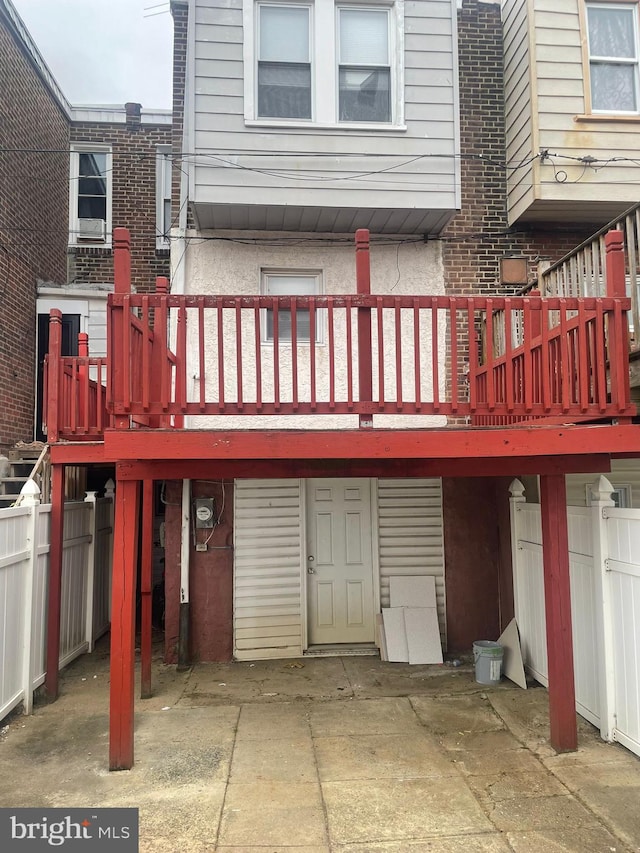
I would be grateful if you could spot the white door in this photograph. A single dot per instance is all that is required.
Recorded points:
(339, 562)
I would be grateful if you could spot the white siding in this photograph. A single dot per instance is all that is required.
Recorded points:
(269, 608)
(267, 569)
(623, 472)
(546, 101)
(411, 540)
(219, 131)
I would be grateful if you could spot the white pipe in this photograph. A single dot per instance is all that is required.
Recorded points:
(185, 541)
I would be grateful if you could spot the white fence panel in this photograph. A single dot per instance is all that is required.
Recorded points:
(623, 535)
(75, 567)
(14, 556)
(24, 570)
(601, 595)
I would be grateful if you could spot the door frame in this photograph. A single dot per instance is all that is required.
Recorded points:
(375, 550)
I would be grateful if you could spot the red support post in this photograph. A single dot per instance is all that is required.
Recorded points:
(53, 401)
(55, 581)
(116, 318)
(158, 353)
(123, 619)
(363, 288)
(536, 315)
(83, 380)
(146, 588)
(557, 595)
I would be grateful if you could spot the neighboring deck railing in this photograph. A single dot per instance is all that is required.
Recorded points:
(583, 272)
(358, 354)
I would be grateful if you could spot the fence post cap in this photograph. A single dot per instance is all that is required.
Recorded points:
(109, 488)
(516, 488)
(601, 490)
(90, 496)
(30, 493)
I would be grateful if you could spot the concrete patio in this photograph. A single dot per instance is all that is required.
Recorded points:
(327, 754)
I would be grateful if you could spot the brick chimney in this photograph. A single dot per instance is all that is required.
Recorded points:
(133, 115)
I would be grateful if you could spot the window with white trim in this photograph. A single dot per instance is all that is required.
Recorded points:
(612, 35)
(90, 195)
(291, 283)
(331, 63)
(284, 61)
(163, 196)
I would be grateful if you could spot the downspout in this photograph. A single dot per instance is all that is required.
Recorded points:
(185, 552)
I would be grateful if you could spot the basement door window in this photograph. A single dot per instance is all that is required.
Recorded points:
(286, 283)
(90, 196)
(612, 31)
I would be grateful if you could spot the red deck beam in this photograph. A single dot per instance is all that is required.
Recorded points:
(449, 443)
(123, 613)
(557, 596)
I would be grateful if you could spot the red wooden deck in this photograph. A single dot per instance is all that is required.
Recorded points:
(541, 383)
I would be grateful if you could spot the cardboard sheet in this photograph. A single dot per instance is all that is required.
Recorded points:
(397, 650)
(409, 591)
(423, 635)
(512, 664)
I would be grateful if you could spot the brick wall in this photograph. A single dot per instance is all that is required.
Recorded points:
(478, 237)
(34, 187)
(133, 147)
(180, 12)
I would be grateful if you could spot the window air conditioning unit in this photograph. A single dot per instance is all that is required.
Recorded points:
(92, 229)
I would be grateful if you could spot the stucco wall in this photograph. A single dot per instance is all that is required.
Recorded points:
(230, 263)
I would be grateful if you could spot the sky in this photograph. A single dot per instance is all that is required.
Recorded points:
(105, 51)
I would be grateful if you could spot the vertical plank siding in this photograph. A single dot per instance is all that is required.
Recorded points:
(15, 552)
(622, 574)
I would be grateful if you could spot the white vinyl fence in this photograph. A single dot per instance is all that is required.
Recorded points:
(604, 560)
(24, 567)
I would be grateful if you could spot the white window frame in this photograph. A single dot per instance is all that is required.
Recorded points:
(316, 274)
(324, 64)
(163, 173)
(78, 148)
(635, 63)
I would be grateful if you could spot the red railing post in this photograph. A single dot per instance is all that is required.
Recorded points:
(158, 352)
(618, 326)
(54, 370)
(363, 288)
(118, 359)
(83, 381)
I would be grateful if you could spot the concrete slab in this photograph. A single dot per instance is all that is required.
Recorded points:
(489, 763)
(501, 786)
(397, 809)
(485, 843)
(381, 716)
(522, 813)
(284, 813)
(456, 714)
(380, 757)
(470, 741)
(264, 722)
(580, 839)
(285, 760)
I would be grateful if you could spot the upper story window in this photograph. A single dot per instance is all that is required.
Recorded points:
(364, 70)
(284, 61)
(330, 63)
(291, 283)
(612, 31)
(90, 195)
(163, 196)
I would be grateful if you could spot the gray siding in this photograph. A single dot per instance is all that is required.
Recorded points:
(518, 105)
(219, 129)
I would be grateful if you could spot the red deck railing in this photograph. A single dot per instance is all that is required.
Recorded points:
(358, 354)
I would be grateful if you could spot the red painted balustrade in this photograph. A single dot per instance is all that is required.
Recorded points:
(494, 361)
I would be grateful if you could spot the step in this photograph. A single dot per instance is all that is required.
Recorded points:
(12, 483)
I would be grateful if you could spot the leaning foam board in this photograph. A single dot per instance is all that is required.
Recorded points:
(512, 665)
(410, 591)
(394, 631)
(423, 635)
